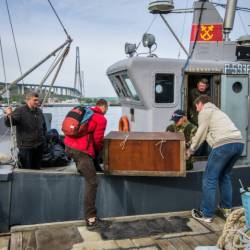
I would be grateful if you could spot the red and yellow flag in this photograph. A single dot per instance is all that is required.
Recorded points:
(207, 33)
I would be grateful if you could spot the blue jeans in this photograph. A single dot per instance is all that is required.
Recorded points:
(218, 170)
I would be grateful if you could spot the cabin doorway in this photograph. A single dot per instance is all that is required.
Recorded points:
(213, 90)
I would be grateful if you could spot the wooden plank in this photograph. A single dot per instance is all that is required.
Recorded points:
(125, 244)
(47, 225)
(4, 242)
(117, 135)
(204, 240)
(216, 226)
(180, 244)
(26, 238)
(165, 244)
(143, 242)
(214, 238)
(144, 173)
(16, 241)
(182, 158)
(190, 241)
(106, 155)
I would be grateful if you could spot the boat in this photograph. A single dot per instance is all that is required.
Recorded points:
(149, 89)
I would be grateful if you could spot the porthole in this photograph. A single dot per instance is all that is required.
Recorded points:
(237, 87)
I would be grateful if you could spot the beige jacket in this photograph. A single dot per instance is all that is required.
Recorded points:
(215, 127)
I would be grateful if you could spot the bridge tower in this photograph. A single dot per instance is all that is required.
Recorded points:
(79, 77)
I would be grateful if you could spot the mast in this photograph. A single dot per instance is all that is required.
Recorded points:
(229, 18)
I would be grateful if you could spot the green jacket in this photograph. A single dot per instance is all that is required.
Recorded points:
(188, 129)
(195, 93)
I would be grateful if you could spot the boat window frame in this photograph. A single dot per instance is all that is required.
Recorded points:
(167, 105)
(117, 79)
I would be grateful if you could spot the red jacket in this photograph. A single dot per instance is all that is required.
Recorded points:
(93, 141)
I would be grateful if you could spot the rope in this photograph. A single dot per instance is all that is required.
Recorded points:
(192, 51)
(4, 71)
(64, 29)
(150, 25)
(242, 23)
(123, 143)
(160, 147)
(183, 28)
(13, 137)
(14, 39)
(234, 235)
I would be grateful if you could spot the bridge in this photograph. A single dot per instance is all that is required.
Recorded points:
(55, 90)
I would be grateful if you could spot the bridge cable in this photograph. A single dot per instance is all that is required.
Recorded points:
(14, 39)
(13, 149)
(59, 19)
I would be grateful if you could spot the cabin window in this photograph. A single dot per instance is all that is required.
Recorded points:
(131, 88)
(117, 88)
(124, 87)
(164, 88)
(125, 90)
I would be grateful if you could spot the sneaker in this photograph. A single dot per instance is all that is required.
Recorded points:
(197, 214)
(97, 224)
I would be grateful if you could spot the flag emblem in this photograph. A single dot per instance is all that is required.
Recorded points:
(206, 33)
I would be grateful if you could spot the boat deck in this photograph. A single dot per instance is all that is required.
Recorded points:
(172, 231)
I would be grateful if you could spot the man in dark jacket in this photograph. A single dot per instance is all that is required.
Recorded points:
(30, 131)
(201, 89)
(84, 150)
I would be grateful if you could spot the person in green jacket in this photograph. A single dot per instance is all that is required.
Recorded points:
(182, 125)
(201, 89)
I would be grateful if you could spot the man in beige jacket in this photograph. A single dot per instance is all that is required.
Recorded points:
(225, 139)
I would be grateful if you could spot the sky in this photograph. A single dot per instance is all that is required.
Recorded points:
(100, 28)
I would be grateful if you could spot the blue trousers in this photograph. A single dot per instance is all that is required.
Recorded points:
(218, 171)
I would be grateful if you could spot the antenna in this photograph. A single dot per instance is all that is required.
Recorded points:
(78, 82)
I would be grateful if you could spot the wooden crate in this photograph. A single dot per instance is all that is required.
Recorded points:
(145, 153)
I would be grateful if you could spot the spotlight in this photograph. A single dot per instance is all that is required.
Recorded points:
(148, 40)
(130, 49)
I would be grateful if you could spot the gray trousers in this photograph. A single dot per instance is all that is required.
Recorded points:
(85, 166)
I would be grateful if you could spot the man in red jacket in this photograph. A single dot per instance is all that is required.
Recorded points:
(84, 150)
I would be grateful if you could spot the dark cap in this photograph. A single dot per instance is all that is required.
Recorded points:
(177, 115)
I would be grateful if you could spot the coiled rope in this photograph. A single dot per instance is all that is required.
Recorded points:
(235, 235)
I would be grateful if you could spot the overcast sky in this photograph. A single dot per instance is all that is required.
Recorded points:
(99, 27)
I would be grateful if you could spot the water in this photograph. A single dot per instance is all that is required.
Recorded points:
(58, 113)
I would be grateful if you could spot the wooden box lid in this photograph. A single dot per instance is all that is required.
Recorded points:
(145, 136)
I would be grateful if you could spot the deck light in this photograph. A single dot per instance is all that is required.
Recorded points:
(148, 40)
(130, 49)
